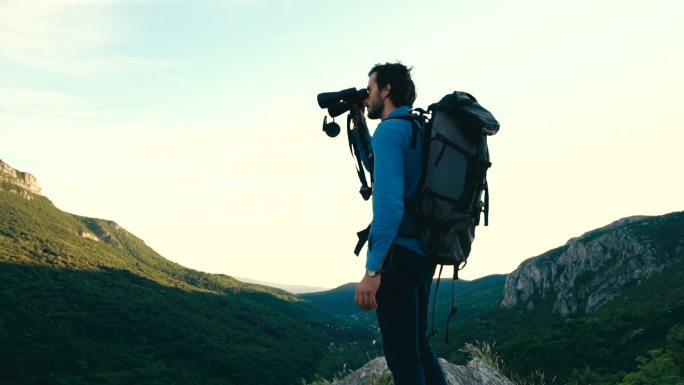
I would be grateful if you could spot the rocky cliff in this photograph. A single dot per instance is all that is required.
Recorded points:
(590, 270)
(475, 373)
(26, 182)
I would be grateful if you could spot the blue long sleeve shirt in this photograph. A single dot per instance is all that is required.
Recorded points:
(396, 175)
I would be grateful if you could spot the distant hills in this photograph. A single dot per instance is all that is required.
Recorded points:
(472, 297)
(296, 289)
(84, 301)
(338, 301)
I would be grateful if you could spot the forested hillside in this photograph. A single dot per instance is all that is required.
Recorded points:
(84, 301)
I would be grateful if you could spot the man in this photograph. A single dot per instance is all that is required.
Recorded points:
(398, 273)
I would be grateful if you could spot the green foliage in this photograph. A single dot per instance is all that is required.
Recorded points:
(661, 366)
(76, 310)
(485, 352)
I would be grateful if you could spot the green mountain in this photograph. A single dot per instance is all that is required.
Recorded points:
(84, 301)
(587, 311)
(338, 301)
(471, 297)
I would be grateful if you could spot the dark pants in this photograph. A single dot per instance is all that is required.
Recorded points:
(403, 299)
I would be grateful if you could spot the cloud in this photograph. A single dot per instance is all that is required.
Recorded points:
(68, 37)
(20, 96)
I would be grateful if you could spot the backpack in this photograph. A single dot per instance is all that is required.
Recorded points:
(452, 193)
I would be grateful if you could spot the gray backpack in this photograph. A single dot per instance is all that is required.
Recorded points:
(452, 193)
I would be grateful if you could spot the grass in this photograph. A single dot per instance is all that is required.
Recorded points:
(485, 352)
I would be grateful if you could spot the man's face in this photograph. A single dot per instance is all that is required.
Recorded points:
(374, 102)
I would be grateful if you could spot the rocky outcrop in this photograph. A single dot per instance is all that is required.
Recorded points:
(475, 373)
(89, 235)
(590, 270)
(26, 183)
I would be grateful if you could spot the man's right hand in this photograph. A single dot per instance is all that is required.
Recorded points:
(366, 291)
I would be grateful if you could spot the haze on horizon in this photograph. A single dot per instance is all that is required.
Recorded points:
(195, 125)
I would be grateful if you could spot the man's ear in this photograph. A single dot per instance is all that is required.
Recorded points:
(386, 90)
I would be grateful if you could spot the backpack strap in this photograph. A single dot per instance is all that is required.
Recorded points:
(485, 209)
(414, 119)
(363, 238)
(454, 308)
(434, 302)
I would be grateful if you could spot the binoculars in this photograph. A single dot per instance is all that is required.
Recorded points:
(338, 103)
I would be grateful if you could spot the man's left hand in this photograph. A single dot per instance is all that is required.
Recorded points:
(365, 292)
(357, 114)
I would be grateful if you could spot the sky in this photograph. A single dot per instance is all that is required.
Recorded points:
(194, 125)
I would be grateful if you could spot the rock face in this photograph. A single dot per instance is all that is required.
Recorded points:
(475, 373)
(590, 270)
(89, 235)
(24, 180)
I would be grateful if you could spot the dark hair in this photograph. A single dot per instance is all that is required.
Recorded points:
(403, 91)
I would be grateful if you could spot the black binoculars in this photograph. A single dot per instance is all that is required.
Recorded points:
(338, 103)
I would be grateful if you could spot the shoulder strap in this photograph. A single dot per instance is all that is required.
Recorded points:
(414, 119)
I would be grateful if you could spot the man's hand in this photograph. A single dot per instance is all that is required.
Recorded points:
(365, 292)
(357, 114)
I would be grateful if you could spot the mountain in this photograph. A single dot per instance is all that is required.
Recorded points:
(472, 296)
(21, 183)
(588, 271)
(85, 301)
(338, 301)
(587, 311)
(296, 289)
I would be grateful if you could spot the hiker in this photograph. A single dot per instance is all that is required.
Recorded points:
(398, 274)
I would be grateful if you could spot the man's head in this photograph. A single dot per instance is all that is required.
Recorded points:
(389, 86)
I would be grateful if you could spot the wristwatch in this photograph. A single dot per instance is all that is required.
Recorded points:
(371, 273)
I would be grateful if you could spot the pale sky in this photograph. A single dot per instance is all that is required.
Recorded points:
(194, 125)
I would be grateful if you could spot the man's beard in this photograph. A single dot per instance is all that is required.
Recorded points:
(375, 111)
